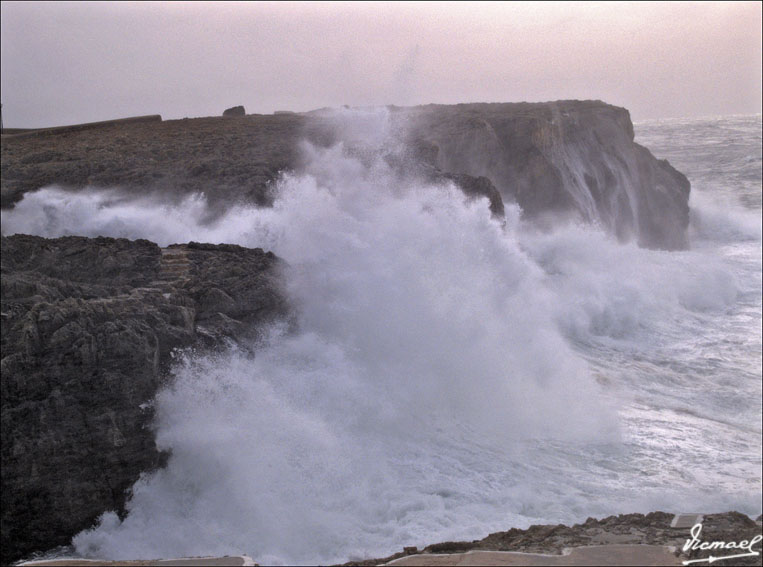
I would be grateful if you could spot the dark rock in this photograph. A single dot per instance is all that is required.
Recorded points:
(450, 547)
(234, 111)
(88, 328)
(560, 157)
(475, 187)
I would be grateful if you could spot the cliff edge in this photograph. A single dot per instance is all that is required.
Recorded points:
(570, 158)
(564, 157)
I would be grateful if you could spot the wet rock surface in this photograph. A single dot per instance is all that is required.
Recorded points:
(88, 329)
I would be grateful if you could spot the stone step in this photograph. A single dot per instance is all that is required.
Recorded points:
(185, 263)
(174, 268)
(232, 561)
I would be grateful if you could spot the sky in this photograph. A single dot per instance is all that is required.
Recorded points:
(71, 62)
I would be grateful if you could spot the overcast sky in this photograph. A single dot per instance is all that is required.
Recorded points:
(64, 63)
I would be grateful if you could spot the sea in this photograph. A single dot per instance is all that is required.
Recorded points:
(450, 375)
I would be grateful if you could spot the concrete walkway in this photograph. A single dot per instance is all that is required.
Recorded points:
(233, 561)
(589, 555)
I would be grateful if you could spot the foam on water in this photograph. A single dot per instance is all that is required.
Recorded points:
(450, 376)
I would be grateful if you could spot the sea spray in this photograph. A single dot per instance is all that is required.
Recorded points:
(449, 375)
(424, 333)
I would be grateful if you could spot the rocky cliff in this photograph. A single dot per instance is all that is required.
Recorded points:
(565, 157)
(88, 328)
(574, 158)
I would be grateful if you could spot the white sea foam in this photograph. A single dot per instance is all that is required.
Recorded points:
(450, 375)
(714, 220)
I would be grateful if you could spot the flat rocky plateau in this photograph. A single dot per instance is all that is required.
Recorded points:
(225, 158)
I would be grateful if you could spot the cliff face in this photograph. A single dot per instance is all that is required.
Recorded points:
(570, 157)
(88, 327)
(565, 157)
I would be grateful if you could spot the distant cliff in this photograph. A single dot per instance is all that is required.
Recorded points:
(561, 157)
(88, 328)
(574, 158)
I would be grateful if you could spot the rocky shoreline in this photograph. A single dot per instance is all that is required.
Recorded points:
(639, 529)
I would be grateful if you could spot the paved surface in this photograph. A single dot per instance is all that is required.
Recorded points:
(590, 555)
(237, 561)
(686, 521)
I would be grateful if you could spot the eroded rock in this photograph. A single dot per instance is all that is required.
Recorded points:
(88, 329)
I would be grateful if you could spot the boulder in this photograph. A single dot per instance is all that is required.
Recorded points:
(234, 111)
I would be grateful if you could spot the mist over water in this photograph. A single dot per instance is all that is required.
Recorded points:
(450, 375)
